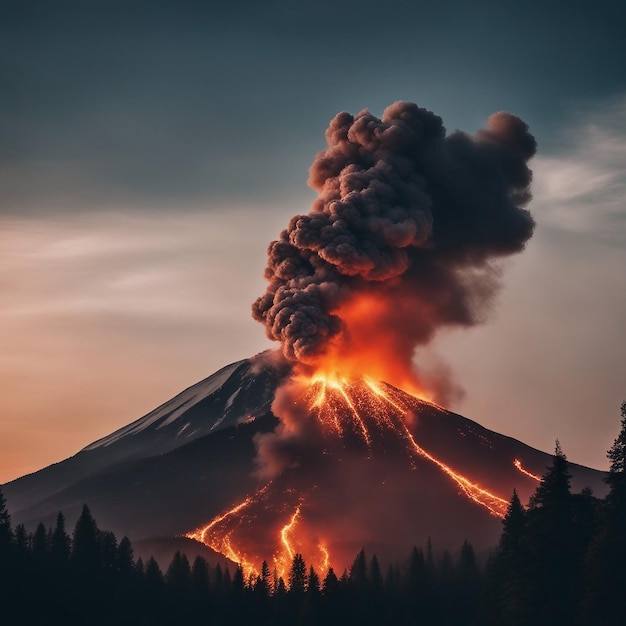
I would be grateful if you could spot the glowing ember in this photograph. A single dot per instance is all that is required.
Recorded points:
(518, 465)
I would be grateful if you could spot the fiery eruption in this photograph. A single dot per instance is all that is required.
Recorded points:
(399, 244)
(347, 423)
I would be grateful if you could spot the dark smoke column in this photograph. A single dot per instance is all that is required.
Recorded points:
(406, 215)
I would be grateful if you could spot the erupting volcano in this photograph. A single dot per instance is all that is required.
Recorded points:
(400, 243)
(346, 488)
(338, 440)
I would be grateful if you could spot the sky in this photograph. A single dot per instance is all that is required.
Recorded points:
(150, 151)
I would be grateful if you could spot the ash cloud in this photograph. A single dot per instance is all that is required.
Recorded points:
(405, 213)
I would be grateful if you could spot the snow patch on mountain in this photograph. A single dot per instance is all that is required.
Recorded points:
(171, 410)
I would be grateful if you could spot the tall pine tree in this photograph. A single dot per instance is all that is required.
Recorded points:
(604, 597)
(552, 574)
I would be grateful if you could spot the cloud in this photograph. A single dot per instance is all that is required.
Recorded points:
(105, 315)
(551, 361)
(583, 189)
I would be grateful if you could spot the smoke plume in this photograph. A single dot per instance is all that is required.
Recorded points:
(399, 241)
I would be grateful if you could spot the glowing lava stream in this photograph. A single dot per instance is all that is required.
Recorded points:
(223, 544)
(211, 536)
(518, 464)
(361, 409)
(496, 505)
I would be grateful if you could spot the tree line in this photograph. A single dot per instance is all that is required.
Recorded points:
(560, 560)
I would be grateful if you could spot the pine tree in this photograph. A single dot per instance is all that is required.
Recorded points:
(61, 543)
(238, 581)
(513, 529)
(154, 578)
(200, 582)
(6, 533)
(264, 586)
(178, 575)
(40, 545)
(281, 588)
(331, 583)
(313, 583)
(508, 572)
(416, 572)
(468, 582)
(275, 578)
(153, 594)
(124, 557)
(553, 566)
(358, 572)
(376, 576)
(604, 601)
(140, 568)
(297, 575)
(85, 556)
(11, 563)
(107, 542)
(22, 540)
(617, 470)
(553, 493)
(468, 568)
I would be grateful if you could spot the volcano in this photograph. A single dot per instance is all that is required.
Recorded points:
(363, 465)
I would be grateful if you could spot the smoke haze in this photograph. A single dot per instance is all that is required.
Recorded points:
(399, 241)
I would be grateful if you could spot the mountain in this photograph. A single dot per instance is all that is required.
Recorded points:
(234, 395)
(192, 458)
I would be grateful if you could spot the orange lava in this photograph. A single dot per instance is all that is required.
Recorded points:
(222, 543)
(361, 410)
(360, 394)
(518, 464)
(370, 343)
(218, 536)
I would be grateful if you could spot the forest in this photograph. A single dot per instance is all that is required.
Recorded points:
(560, 560)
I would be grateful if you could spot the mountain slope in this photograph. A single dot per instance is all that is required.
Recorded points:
(234, 394)
(194, 457)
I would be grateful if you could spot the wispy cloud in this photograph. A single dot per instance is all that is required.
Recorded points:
(583, 189)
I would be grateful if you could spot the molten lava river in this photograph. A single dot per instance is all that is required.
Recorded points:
(342, 471)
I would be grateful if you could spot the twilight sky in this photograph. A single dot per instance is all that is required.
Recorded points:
(150, 150)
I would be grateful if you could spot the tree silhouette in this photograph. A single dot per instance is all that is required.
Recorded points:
(178, 575)
(85, 556)
(124, 562)
(617, 470)
(239, 583)
(297, 575)
(6, 533)
(154, 578)
(552, 572)
(200, 581)
(358, 572)
(508, 571)
(330, 586)
(265, 586)
(604, 601)
(376, 576)
(313, 583)
(40, 545)
(61, 543)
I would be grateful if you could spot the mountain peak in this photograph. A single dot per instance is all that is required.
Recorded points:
(379, 466)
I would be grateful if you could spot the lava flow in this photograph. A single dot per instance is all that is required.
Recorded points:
(400, 243)
(349, 420)
(519, 466)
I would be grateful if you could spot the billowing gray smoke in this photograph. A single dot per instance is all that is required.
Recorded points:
(406, 214)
